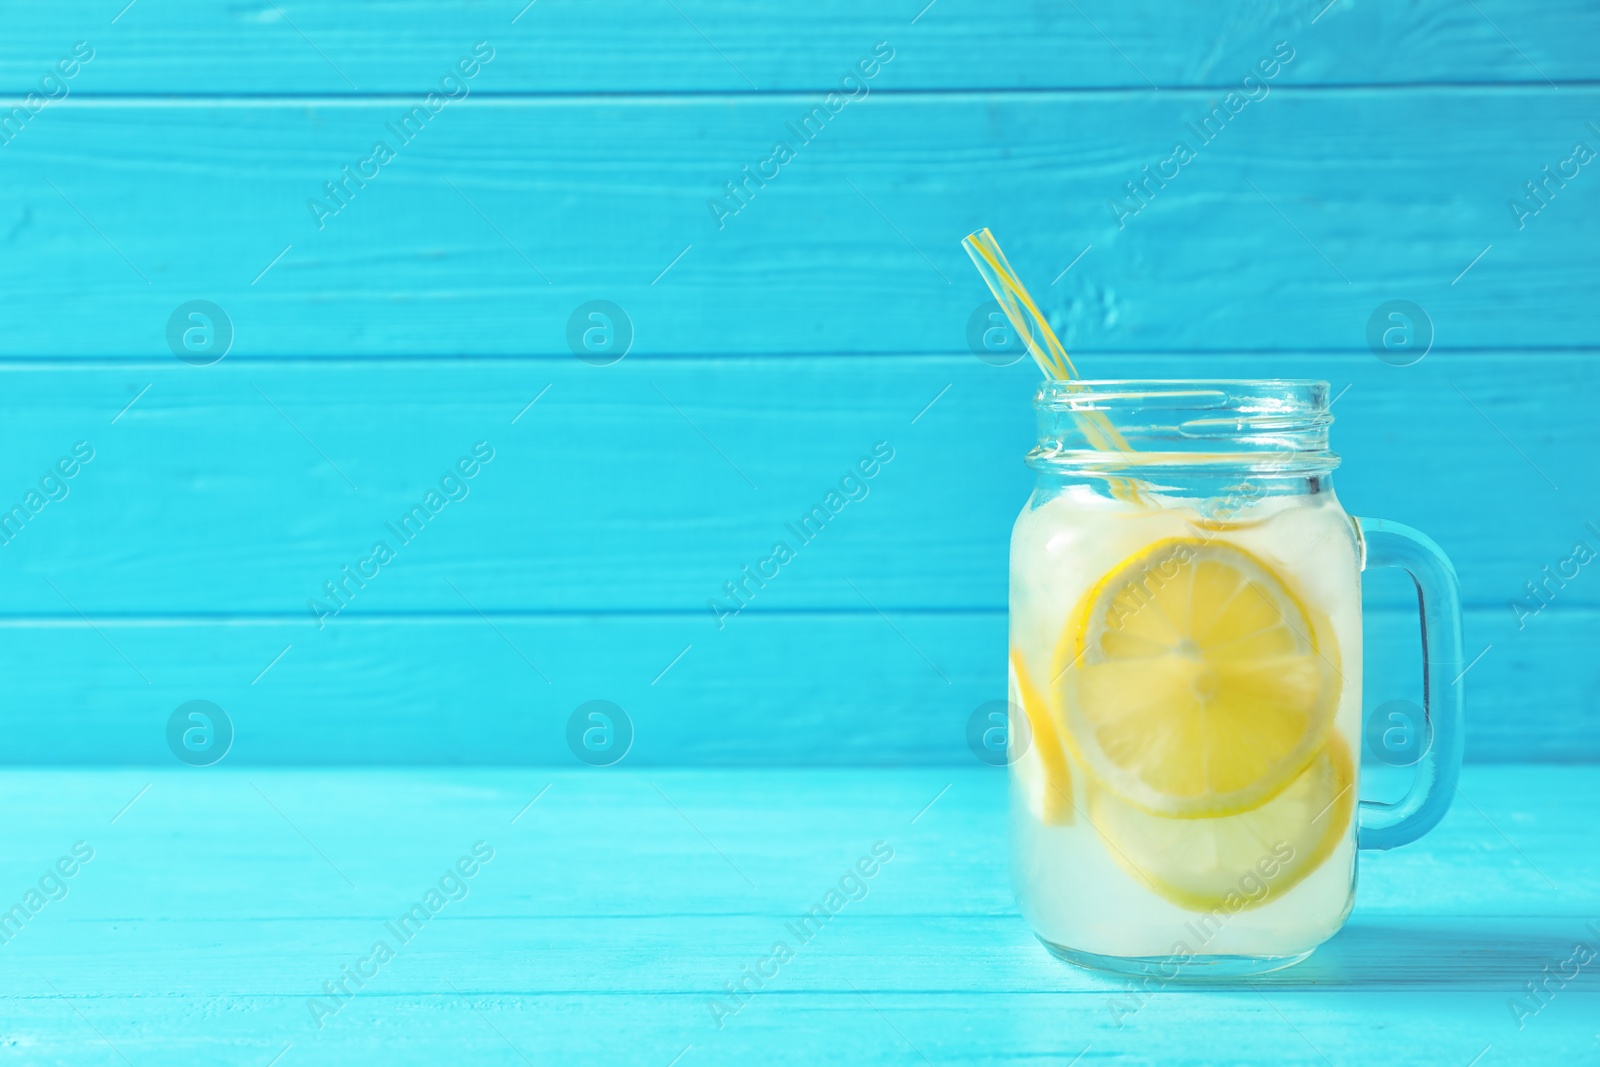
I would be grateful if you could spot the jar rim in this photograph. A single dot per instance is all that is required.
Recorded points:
(1277, 425)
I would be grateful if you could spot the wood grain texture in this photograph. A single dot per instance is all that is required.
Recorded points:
(772, 689)
(722, 45)
(771, 350)
(487, 230)
(583, 559)
(241, 489)
(216, 904)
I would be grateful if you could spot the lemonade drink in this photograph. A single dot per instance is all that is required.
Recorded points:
(1185, 680)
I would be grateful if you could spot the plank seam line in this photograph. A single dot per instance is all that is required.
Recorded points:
(983, 93)
(154, 620)
(144, 363)
(1398, 918)
(1408, 984)
(139, 620)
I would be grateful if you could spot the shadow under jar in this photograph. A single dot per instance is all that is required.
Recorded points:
(1185, 678)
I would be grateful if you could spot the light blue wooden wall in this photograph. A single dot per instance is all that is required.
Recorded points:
(769, 353)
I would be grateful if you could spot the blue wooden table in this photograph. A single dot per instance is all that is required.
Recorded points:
(617, 907)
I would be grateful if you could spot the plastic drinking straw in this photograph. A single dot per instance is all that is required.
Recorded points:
(1018, 305)
(1029, 322)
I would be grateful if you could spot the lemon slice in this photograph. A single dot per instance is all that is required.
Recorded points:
(1237, 861)
(1193, 682)
(1053, 790)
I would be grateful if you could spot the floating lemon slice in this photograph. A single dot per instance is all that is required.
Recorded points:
(1192, 681)
(1053, 790)
(1237, 861)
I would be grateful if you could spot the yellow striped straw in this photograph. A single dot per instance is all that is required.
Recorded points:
(1029, 322)
(1018, 305)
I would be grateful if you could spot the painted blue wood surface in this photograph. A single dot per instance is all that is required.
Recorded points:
(345, 47)
(769, 352)
(772, 347)
(605, 496)
(486, 231)
(619, 903)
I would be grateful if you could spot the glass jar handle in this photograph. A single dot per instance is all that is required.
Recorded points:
(1388, 825)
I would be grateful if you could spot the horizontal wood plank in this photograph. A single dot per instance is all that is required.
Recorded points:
(616, 906)
(486, 230)
(809, 689)
(244, 488)
(1031, 1030)
(406, 46)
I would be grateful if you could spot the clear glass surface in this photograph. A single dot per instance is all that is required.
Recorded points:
(1137, 845)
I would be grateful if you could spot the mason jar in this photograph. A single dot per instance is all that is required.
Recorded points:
(1185, 678)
